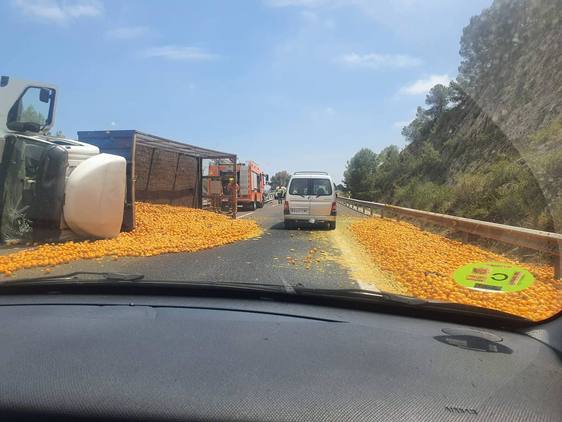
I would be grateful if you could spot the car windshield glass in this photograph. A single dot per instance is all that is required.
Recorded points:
(412, 148)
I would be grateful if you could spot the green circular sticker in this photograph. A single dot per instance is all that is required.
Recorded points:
(493, 277)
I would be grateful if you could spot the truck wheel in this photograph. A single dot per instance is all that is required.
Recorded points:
(332, 225)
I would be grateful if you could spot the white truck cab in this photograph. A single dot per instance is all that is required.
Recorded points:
(49, 184)
(310, 198)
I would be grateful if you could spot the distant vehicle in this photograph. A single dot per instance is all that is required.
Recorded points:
(310, 198)
(251, 181)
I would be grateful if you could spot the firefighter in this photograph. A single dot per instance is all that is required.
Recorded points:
(233, 189)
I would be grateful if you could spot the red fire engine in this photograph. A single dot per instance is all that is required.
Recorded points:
(251, 181)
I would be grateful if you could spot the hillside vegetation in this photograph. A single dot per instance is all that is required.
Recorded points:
(489, 145)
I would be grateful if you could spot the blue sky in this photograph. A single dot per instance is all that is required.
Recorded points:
(290, 84)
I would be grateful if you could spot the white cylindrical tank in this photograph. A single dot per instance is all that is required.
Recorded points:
(95, 196)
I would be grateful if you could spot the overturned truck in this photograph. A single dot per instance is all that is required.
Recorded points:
(52, 188)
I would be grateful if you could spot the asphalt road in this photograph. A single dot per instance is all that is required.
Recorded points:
(311, 256)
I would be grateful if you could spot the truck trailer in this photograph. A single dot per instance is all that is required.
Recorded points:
(159, 170)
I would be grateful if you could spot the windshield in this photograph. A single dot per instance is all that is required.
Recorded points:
(32, 110)
(408, 147)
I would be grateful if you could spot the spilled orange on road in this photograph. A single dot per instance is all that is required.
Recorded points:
(160, 229)
(424, 263)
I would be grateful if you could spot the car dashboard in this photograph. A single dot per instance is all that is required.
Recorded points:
(127, 357)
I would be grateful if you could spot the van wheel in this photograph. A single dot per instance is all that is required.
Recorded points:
(332, 225)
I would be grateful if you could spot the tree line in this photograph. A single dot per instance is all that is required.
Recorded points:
(457, 159)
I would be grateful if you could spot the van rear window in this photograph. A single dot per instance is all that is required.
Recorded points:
(321, 187)
(299, 187)
(309, 186)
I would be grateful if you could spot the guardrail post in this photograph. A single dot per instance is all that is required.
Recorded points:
(557, 264)
(382, 212)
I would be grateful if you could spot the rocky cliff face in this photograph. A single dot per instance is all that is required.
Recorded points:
(500, 142)
(518, 83)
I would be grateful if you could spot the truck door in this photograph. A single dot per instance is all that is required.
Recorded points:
(255, 183)
(244, 187)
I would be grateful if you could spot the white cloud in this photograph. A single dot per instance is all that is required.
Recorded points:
(60, 11)
(422, 86)
(379, 61)
(179, 53)
(128, 32)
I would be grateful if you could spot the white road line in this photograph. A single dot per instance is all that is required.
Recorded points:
(245, 215)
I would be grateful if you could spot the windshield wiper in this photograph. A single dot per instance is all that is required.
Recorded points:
(92, 278)
(78, 277)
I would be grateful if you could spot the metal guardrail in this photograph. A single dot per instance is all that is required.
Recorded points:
(550, 243)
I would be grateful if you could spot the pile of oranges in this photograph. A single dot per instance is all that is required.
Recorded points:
(424, 263)
(159, 229)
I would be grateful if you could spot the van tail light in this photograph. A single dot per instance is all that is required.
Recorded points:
(334, 209)
(286, 207)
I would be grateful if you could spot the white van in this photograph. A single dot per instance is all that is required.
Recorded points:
(310, 198)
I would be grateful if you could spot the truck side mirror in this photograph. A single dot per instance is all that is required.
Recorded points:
(44, 95)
